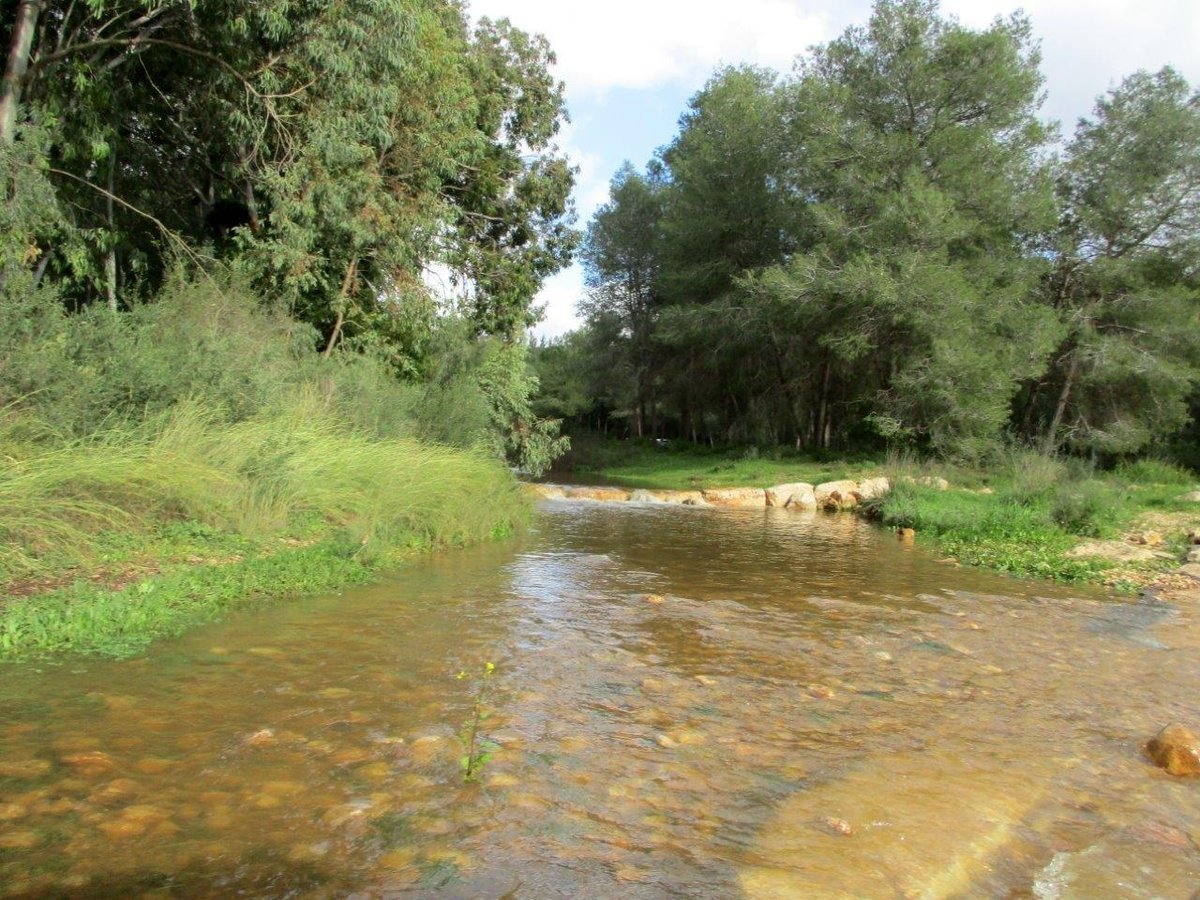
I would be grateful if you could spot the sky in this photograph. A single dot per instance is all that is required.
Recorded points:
(629, 67)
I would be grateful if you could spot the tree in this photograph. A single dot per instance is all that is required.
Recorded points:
(621, 260)
(917, 146)
(727, 210)
(1125, 282)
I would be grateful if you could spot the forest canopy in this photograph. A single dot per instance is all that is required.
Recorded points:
(890, 247)
(330, 159)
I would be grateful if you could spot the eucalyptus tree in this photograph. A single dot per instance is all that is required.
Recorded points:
(355, 144)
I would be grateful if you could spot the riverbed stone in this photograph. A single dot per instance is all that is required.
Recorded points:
(1176, 749)
(835, 495)
(599, 494)
(797, 495)
(24, 768)
(737, 498)
(90, 763)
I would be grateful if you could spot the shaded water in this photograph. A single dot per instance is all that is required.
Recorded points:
(687, 702)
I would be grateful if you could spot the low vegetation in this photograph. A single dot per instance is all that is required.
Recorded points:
(1020, 512)
(165, 463)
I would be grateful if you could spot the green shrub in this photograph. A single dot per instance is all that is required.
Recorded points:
(1031, 476)
(1154, 471)
(1087, 508)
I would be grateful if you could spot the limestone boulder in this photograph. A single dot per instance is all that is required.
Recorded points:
(740, 498)
(835, 495)
(1176, 749)
(870, 488)
(798, 495)
(599, 494)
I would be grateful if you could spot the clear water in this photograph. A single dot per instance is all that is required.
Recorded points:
(686, 703)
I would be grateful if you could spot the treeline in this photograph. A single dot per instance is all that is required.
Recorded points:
(288, 174)
(889, 247)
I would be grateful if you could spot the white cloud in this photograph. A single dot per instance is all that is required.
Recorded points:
(642, 43)
(1088, 46)
(559, 296)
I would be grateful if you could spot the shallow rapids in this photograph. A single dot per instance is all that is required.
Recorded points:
(686, 703)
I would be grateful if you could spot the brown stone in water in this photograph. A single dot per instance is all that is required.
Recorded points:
(91, 763)
(24, 769)
(1175, 749)
(1160, 833)
(19, 840)
(836, 826)
(11, 811)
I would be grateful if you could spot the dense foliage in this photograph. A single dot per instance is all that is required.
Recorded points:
(332, 159)
(889, 247)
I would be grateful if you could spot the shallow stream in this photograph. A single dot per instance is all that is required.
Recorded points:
(685, 703)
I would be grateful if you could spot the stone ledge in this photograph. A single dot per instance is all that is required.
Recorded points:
(831, 496)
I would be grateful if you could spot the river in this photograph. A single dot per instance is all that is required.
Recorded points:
(685, 703)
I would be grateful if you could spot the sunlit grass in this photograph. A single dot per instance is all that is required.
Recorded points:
(275, 505)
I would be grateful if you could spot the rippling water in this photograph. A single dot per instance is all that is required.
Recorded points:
(687, 703)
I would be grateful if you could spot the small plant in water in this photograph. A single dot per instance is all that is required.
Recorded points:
(478, 749)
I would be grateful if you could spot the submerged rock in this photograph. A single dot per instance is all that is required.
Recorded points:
(1176, 749)
(836, 826)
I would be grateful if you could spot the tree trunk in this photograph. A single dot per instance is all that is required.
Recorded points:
(110, 258)
(343, 299)
(823, 410)
(1051, 440)
(24, 27)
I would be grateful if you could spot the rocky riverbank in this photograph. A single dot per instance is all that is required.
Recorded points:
(832, 496)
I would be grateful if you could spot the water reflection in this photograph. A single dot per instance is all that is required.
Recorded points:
(688, 702)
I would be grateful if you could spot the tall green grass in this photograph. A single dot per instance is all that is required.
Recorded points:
(297, 479)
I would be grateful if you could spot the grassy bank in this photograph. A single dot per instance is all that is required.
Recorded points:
(1022, 513)
(680, 466)
(141, 531)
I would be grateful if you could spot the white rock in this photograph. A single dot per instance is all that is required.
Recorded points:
(798, 495)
